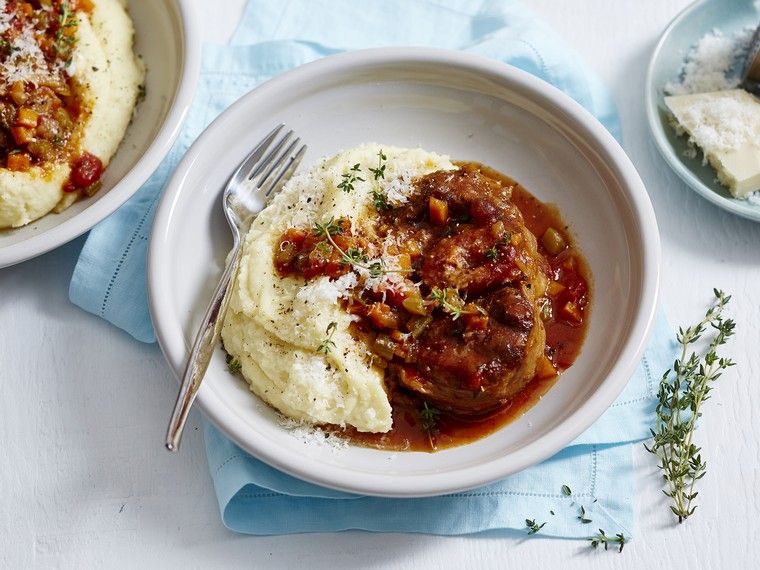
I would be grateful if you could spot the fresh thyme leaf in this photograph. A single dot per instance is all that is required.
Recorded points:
(566, 491)
(605, 540)
(326, 346)
(430, 417)
(379, 172)
(327, 229)
(506, 238)
(491, 253)
(350, 178)
(6, 45)
(582, 516)
(352, 256)
(551, 512)
(380, 201)
(451, 303)
(65, 39)
(683, 390)
(233, 364)
(533, 526)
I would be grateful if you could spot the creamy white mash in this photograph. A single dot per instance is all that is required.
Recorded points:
(274, 325)
(109, 76)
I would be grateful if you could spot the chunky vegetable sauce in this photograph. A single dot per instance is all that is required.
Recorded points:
(39, 104)
(471, 296)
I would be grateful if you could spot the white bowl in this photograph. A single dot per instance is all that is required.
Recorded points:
(167, 38)
(472, 109)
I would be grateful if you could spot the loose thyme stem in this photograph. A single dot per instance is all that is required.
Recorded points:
(673, 440)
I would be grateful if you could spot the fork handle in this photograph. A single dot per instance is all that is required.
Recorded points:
(203, 350)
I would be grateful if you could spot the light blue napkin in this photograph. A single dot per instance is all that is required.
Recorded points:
(109, 280)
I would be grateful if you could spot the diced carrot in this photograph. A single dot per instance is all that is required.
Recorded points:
(19, 162)
(555, 288)
(439, 211)
(18, 93)
(404, 261)
(382, 316)
(545, 368)
(412, 247)
(85, 5)
(571, 312)
(27, 8)
(397, 336)
(26, 117)
(22, 135)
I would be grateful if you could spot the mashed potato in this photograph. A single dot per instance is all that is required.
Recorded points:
(275, 325)
(108, 78)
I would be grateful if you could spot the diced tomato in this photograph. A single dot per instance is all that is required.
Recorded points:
(476, 322)
(473, 381)
(86, 170)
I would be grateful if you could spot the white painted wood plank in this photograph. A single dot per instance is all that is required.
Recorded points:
(86, 483)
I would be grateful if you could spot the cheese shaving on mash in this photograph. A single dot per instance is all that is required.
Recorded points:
(275, 325)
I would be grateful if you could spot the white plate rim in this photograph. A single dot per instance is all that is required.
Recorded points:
(171, 337)
(147, 164)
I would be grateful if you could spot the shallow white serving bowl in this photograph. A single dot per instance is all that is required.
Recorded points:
(472, 109)
(167, 37)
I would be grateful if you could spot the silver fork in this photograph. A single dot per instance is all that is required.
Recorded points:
(262, 172)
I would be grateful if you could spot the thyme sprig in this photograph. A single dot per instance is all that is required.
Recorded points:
(350, 178)
(430, 418)
(233, 364)
(65, 39)
(352, 256)
(380, 200)
(451, 303)
(379, 172)
(533, 526)
(326, 346)
(683, 390)
(605, 540)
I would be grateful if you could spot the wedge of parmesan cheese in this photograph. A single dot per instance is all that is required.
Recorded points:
(726, 126)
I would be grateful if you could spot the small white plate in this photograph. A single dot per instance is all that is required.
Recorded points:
(472, 109)
(167, 39)
(686, 29)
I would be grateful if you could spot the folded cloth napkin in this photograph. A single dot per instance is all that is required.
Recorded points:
(110, 281)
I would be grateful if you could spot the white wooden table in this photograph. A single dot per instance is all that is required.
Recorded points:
(85, 482)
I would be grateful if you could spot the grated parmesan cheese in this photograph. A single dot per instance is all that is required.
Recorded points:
(26, 62)
(713, 64)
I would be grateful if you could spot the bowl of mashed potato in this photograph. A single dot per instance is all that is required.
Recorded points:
(91, 96)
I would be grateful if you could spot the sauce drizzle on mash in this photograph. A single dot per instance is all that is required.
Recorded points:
(405, 301)
(69, 83)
